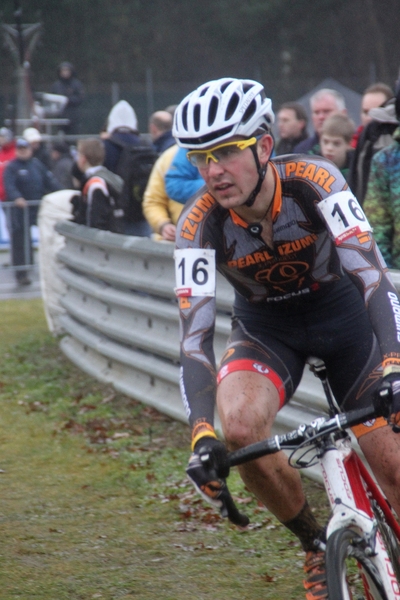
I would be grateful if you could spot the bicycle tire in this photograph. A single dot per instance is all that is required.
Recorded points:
(342, 548)
(389, 539)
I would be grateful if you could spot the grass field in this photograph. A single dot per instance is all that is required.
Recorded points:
(94, 500)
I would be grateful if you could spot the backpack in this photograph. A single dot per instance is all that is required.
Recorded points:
(115, 213)
(134, 166)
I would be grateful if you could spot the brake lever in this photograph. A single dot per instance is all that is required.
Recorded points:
(229, 509)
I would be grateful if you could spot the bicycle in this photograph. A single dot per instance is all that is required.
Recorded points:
(362, 527)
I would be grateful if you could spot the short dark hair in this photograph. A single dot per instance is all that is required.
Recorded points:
(298, 108)
(339, 125)
(93, 150)
(379, 87)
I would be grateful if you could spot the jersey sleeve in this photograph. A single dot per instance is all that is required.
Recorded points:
(195, 288)
(362, 260)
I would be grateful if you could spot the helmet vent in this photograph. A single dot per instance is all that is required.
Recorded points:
(184, 116)
(232, 106)
(203, 91)
(196, 117)
(225, 85)
(249, 111)
(212, 112)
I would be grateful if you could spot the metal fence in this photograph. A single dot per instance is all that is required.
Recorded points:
(19, 238)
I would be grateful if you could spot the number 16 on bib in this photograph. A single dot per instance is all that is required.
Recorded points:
(195, 272)
(344, 216)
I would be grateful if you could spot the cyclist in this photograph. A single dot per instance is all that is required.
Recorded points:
(290, 237)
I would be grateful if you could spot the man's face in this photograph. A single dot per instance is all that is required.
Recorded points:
(24, 153)
(231, 181)
(289, 126)
(65, 72)
(370, 100)
(321, 109)
(334, 148)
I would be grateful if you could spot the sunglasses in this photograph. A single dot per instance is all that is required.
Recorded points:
(219, 154)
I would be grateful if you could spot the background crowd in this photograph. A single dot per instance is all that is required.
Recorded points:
(135, 183)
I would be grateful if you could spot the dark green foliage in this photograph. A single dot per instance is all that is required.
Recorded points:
(183, 40)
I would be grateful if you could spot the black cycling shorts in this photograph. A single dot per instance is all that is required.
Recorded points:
(334, 327)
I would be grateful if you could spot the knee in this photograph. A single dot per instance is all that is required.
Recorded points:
(240, 431)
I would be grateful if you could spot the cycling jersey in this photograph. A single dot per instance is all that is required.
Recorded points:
(322, 251)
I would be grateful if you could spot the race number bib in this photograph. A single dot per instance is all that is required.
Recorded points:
(344, 216)
(195, 272)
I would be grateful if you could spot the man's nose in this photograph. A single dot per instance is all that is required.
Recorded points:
(214, 168)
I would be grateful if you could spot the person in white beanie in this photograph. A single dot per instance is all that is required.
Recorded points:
(34, 137)
(122, 135)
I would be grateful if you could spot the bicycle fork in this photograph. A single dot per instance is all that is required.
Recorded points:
(351, 508)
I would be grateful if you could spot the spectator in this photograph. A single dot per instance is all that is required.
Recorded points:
(377, 134)
(121, 130)
(382, 200)
(161, 212)
(7, 153)
(336, 135)
(122, 136)
(34, 137)
(62, 163)
(25, 178)
(292, 127)
(182, 179)
(374, 96)
(171, 108)
(160, 126)
(70, 86)
(97, 206)
(323, 103)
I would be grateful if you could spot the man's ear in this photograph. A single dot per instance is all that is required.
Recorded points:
(265, 147)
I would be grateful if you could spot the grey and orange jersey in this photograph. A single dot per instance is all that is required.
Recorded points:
(319, 234)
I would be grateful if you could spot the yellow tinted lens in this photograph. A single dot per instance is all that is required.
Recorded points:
(221, 153)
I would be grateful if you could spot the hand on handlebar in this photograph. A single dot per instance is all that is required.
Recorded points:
(389, 397)
(208, 467)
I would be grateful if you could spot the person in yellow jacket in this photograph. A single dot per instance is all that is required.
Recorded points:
(161, 212)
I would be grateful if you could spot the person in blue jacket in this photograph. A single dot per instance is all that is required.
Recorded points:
(182, 179)
(25, 178)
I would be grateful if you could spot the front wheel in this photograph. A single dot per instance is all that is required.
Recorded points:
(350, 574)
(390, 542)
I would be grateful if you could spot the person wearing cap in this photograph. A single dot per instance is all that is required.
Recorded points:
(309, 280)
(34, 137)
(69, 85)
(25, 178)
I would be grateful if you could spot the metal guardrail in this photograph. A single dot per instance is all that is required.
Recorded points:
(122, 327)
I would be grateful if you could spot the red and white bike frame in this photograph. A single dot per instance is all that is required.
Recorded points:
(349, 486)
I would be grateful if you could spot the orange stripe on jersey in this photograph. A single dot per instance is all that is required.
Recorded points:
(276, 202)
(246, 364)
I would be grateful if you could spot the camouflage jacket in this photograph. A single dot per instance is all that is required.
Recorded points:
(382, 201)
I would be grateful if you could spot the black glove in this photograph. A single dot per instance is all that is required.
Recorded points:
(208, 467)
(389, 399)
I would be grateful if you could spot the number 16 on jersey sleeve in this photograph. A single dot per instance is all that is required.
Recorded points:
(344, 216)
(195, 272)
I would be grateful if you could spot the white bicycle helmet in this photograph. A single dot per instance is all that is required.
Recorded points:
(220, 109)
